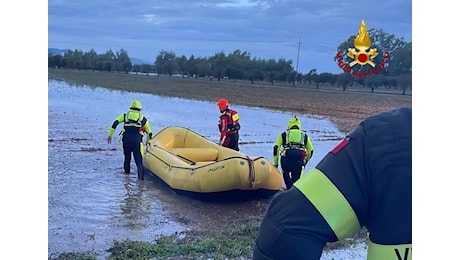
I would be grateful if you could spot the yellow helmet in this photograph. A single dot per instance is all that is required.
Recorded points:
(135, 104)
(294, 122)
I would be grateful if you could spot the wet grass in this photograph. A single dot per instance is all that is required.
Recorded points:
(75, 256)
(236, 239)
(234, 242)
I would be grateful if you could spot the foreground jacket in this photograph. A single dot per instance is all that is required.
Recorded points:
(365, 181)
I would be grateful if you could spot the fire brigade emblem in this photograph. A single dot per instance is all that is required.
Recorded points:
(362, 54)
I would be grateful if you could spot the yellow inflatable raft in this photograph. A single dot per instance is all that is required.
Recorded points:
(193, 165)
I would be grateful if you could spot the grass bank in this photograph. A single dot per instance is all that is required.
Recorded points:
(236, 241)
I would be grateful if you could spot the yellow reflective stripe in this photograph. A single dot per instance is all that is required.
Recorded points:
(235, 117)
(142, 148)
(389, 252)
(328, 200)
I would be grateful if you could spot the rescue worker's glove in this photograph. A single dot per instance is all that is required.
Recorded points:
(109, 139)
(221, 142)
(305, 157)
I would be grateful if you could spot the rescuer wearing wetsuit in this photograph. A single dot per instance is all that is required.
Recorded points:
(135, 125)
(229, 125)
(295, 148)
(366, 180)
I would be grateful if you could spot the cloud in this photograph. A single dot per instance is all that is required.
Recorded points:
(266, 29)
(241, 4)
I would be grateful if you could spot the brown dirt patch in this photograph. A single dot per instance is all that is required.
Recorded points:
(344, 108)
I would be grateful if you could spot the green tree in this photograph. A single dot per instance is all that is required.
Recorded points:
(74, 59)
(238, 62)
(405, 82)
(106, 61)
(90, 59)
(373, 82)
(401, 60)
(147, 68)
(136, 68)
(200, 67)
(313, 77)
(123, 62)
(54, 61)
(166, 62)
(327, 78)
(183, 65)
(344, 80)
(218, 64)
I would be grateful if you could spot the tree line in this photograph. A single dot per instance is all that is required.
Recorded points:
(396, 71)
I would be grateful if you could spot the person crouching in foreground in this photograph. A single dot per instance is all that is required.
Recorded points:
(365, 181)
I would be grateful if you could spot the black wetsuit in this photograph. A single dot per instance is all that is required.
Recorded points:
(135, 124)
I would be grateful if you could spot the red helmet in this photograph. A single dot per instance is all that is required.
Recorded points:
(222, 104)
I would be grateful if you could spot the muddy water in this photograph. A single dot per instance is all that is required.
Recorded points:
(91, 202)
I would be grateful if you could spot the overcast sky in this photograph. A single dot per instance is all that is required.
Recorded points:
(265, 29)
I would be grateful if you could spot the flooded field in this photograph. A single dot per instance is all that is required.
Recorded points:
(91, 202)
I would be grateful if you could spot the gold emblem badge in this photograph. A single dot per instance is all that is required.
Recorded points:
(362, 54)
(362, 43)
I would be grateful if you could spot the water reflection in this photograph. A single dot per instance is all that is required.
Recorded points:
(135, 206)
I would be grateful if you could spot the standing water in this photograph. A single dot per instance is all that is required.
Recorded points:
(91, 202)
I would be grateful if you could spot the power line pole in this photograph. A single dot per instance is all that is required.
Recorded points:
(297, 66)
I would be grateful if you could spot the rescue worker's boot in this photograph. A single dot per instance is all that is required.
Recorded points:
(140, 172)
